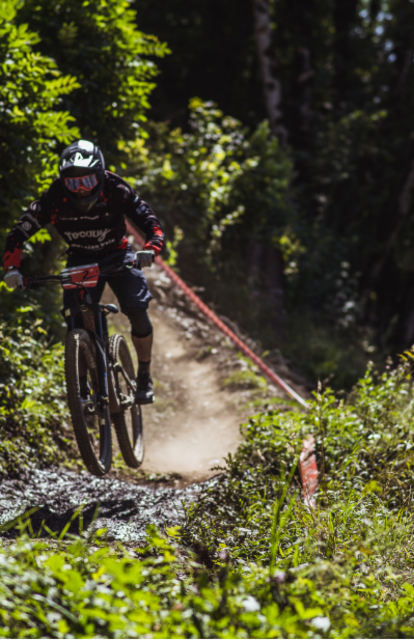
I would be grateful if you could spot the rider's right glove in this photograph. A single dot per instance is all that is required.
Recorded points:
(14, 279)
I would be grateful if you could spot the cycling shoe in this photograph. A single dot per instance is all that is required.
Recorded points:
(145, 389)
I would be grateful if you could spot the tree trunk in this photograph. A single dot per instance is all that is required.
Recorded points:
(303, 80)
(271, 85)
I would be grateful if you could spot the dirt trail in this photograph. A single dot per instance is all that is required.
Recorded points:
(195, 421)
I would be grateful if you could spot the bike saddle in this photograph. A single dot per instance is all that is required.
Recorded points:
(110, 308)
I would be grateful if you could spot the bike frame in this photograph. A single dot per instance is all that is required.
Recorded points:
(95, 322)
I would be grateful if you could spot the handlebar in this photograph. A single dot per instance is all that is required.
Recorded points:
(35, 282)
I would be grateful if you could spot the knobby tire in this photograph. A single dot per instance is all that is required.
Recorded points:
(128, 423)
(80, 345)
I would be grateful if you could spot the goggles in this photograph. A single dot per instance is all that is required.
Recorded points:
(82, 182)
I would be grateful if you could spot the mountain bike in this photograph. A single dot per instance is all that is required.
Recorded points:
(100, 376)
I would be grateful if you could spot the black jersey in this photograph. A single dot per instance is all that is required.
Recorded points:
(95, 233)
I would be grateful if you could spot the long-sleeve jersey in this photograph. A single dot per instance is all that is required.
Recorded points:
(95, 233)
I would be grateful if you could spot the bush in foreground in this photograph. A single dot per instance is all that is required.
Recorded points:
(349, 561)
(251, 560)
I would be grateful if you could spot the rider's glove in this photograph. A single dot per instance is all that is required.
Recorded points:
(14, 279)
(145, 258)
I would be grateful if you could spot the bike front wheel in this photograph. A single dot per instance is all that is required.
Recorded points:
(127, 422)
(91, 422)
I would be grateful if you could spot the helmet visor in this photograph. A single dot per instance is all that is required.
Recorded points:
(82, 182)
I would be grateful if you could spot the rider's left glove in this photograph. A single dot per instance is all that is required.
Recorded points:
(14, 279)
(145, 258)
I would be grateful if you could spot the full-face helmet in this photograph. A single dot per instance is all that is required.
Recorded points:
(82, 172)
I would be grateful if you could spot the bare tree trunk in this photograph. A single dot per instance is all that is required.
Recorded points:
(304, 77)
(271, 85)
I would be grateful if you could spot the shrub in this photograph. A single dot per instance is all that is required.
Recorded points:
(251, 560)
(223, 196)
(34, 418)
(352, 556)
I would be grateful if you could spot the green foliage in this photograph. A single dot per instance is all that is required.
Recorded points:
(329, 353)
(244, 380)
(264, 564)
(247, 378)
(34, 418)
(214, 178)
(346, 72)
(225, 198)
(351, 557)
(31, 88)
(227, 191)
(58, 64)
(80, 591)
(32, 123)
(98, 42)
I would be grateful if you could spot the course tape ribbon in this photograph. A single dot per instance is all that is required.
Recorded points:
(309, 470)
(307, 463)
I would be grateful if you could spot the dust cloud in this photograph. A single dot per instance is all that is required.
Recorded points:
(194, 423)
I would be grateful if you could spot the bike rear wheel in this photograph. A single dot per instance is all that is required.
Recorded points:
(128, 422)
(91, 423)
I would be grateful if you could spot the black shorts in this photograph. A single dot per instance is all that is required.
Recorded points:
(130, 287)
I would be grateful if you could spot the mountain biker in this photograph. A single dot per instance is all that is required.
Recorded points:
(88, 205)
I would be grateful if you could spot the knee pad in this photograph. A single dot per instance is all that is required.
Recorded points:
(141, 326)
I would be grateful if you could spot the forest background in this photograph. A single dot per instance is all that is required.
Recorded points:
(304, 237)
(297, 223)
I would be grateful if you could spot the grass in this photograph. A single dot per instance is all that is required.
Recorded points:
(244, 380)
(350, 562)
